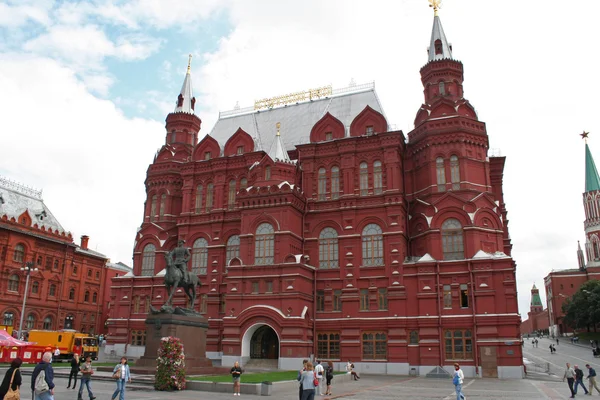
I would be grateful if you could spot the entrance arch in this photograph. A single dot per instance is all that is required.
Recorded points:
(260, 341)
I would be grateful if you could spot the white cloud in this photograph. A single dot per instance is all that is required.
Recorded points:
(20, 12)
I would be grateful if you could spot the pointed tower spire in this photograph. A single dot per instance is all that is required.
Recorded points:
(580, 258)
(536, 305)
(277, 152)
(592, 180)
(186, 100)
(439, 48)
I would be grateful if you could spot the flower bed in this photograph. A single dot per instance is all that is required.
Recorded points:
(170, 369)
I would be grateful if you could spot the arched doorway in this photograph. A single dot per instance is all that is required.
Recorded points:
(264, 343)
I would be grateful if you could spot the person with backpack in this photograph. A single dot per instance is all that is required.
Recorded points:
(579, 380)
(457, 380)
(42, 379)
(319, 373)
(86, 376)
(328, 377)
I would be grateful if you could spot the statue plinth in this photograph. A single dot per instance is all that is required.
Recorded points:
(190, 329)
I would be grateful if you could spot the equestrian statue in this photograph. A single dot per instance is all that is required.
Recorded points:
(178, 276)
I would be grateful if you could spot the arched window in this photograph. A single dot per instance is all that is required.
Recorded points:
(364, 179)
(94, 297)
(209, 196)
(264, 245)
(335, 182)
(438, 46)
(267, 173)
(199, 190)
(452, 240)
(243, 183)
(377, 178)
(52, 290)
(148, 259)
(8, 319)
(372, 245)
(454, 173)
(322, 189)
(199, 256)
(35, 287)
(86, 296)
(153, 208)
(30, 324)
(19, 254)
(13, 283)
(328, 248)
(72, 294)
(232, 192)
(595, 247)
(47, 323)
(441, 174)
(233, 248)
(442, 88)
(163, 204)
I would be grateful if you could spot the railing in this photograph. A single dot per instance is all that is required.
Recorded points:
(26, 190)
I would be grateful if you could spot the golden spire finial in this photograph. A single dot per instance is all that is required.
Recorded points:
(436, 6)
(584, 136)
(189, 64)
(278, 125)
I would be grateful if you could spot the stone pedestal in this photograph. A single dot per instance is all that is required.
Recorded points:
(190, 329)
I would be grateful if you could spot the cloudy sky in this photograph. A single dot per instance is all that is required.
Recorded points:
(85, 87)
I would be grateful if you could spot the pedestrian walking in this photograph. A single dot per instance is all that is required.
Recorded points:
(86, 376)
(557, 341)
(579, 380)
(457, 380)
(122, 375)
(308, 381)
(329, 377)
(592, 379)
(304, 362)
(319, 373)
(42, 379)
(75, 365)
(9, 389)
(236, 373)
(570, 377)
(551, 349)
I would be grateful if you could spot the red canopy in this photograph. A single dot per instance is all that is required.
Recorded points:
(7, 340)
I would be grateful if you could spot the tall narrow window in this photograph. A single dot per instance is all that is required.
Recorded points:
(199, 256)
(328, 135)
(232, 192)
(464, 296)
(163, 204)
(372, 245)
(153, 207)
(364, 299)
(255, 287)
(240, 150)
(369, 130)
(233, 248)
(243, 183)
(452, 240)
(19, 254)
(442, 88)
(203, 303)
(35, 288)
(322, 189)
(30, 321)
(377, 178)
(72, 294)
(265, 238)
(8, 319)
(337, 300)
(267, 173)
(47, 325)
(328, 248)
(52, 290)
(335, 183)
(441, 174)
(207, 155)
(136, 304)
(328, 345)
(13, 283)
(209, 197)
(148, 258)
(374, 346)
(222, 303)
(364, 179)
(320, 300)
(414, 337)
(94, 297)
(454, 172)
(199, 190)
(382, 299)
(86, 297)
(447, 296)
(269, 287)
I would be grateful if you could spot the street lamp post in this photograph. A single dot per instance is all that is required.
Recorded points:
(28, 268)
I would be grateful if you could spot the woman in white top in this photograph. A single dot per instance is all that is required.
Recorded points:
(121, 372)
(457, 379)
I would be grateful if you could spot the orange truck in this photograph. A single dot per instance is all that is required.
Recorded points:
(67, 341)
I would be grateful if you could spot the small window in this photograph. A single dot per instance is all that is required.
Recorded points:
(454, 172)
(55, 267)
(335, 183)
(447, 296)
(86, 297)
(382, 299)
(19, 254)
(231, 194)
(243, 183)
(269, 286)
(328, 136)
(8, 319)
(163, 205)
(153, 207)
(320, 300)
(255, 288)
(52, 290)
(364, 299)
(377, 178)
(47, 325)
(89, 274)
(48, 262)
(222, 303)
(72, 294)
(374, 346)
(240, 150)
(209, 197)
(328, 345)
(364, 179)
(39, 261)
(369, 130)
(442, 88)
(441, 174)
(438, 46)
(337, 300)
(452, 240)
(322, 187)
(35, 288)
(464, 296)
(207, 155)
(267, 173)
(95, 298)
(30, 324)
(414, 337)
(74, 269)
(97, 274)
(13, 284)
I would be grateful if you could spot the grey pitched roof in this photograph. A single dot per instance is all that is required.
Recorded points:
(15, 199)
(296, 119)
(119, 267)
(90, 252)
(437, 32)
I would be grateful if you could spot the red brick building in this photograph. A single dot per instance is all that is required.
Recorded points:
(563, 284)
(317, 230)
(537, 320)
(67, 290)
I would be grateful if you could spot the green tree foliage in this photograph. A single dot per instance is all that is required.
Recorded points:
(582, 310)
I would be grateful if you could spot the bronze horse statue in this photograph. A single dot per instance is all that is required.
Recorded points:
(174, 279)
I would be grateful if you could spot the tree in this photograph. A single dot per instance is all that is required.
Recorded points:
(582, 310)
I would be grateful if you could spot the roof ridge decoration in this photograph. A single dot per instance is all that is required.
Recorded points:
(439, 48)
(18, 187)
(592, 179)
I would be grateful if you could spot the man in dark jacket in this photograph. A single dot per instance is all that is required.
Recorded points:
(45, 366)
(579, 380)
(592, 378)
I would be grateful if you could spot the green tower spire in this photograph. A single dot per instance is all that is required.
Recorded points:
(535, 297)
(592, 180)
